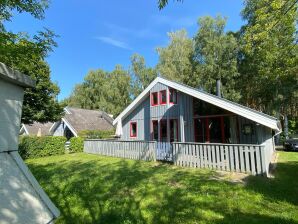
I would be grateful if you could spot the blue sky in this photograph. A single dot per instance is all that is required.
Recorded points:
(102, 33)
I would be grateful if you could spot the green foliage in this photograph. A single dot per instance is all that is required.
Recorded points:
(216, 54)
(34, 7)
(141, 75)
(33, 147)
(269, 56)
(107, 91)
(27, 55)
(96, 134)
(97, 189)
(163, 3)
(76, 144)
(176, 59)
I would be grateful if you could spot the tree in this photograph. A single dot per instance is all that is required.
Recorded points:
(269, 57)
(163, 3)
(27, 55)
(141, 75)
(176, 59)
(107, 91)
(216, 55)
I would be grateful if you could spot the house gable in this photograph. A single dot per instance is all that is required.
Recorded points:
(235, 108)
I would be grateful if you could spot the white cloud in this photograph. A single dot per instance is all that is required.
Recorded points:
(114, 42)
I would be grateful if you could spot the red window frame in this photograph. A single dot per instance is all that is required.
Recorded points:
(152, 101)
(161, 93)
(130, 131)
(171, 91)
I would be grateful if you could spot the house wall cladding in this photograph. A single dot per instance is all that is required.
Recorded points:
(144, 113)
(11, 99)
(59, 131)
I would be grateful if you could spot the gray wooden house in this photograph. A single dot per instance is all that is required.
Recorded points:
(168, 111)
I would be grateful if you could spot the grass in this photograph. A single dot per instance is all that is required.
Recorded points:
(96, 189)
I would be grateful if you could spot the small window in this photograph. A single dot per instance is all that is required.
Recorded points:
(163, 97)
(133, 129)
(154, 99)
(163, 130)
(155, 130)
(173, 96)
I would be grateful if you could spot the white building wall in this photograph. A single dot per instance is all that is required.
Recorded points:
(19, 202)
(22, 200)
(11, 98)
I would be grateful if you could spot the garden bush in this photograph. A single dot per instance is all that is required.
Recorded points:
(76, 144)
(33, 147)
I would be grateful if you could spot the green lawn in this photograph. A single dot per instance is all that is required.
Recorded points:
(95, 189)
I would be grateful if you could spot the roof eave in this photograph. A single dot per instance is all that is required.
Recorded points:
(265, 120)
(15, 77)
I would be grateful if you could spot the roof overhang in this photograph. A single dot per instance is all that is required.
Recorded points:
(15, 77)
(24, 129)
(75, 133)
(241, 110)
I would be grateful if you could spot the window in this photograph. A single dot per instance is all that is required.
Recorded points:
(213, 129)
(133, 129)
(173, 130)
(154, 99)
(155, 130)
(173, 96)
(163, 131)
(163, 97)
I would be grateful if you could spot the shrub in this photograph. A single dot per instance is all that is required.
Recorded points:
(33, 147)
(76, 144)
(96, 134)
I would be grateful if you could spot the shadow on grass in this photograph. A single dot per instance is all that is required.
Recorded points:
(108, 190)
(283, 187)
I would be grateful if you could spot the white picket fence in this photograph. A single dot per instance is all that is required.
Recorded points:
(138, 150)
(251, 159)
(164, 151)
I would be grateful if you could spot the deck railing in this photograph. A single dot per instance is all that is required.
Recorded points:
(138, 150)
(242, 158)
(252, 159)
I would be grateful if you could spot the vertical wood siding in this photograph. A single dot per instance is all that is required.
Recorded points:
(11, 100)
(144, 113)
(137, 150)
(251, 159)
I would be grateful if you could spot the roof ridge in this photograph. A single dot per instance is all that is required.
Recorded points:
(205, 92)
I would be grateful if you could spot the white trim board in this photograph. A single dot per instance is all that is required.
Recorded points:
(43, 196)
(243, 111)
(70, 127)
(25, 130)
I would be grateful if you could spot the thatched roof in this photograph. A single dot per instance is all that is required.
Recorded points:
(83, 119)
(78, 119)
(33, 129)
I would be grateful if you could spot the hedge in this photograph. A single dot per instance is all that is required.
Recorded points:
(33, 147)
(76, 144)
(95, 134)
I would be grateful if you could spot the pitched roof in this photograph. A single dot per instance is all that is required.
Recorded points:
(228, 105)
(83, 119)
(33, 129)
